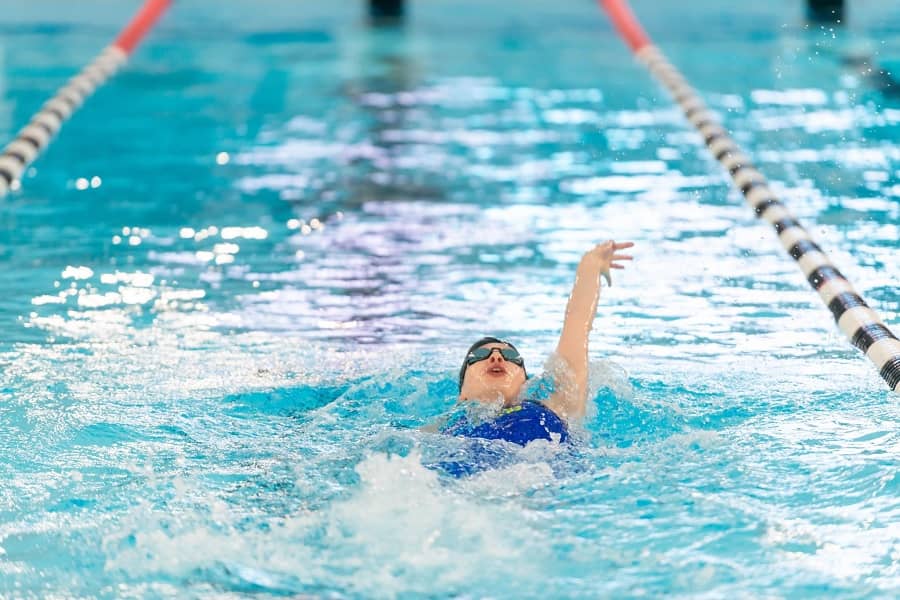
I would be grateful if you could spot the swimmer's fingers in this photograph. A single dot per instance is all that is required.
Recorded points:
(614, 261)
(610, 249)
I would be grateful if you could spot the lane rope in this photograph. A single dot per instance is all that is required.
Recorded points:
(36, 135)
(863, 326)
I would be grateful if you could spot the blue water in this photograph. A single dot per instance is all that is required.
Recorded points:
(243, 275)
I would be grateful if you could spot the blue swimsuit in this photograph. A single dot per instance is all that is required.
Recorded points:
(519, 424)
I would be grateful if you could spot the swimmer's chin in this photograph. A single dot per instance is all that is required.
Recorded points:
(491, 398)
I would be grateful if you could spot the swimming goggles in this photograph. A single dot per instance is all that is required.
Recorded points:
(510, 354)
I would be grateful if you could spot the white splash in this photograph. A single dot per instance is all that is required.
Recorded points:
(407, 530)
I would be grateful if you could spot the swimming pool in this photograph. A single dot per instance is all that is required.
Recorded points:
(245, 272)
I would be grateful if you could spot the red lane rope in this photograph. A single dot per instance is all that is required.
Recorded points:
(141, 24)
(625, 21)
(854, 317)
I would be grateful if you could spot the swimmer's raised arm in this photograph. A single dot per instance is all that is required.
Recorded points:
(571, 382)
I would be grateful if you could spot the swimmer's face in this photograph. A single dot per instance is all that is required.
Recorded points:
(493, 379)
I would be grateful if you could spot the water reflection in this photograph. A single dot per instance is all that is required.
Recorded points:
(252, 344)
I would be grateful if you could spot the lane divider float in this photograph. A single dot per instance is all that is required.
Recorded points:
(863, 326)
(35, 136)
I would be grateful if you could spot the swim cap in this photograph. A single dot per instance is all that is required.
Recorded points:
(479, 344)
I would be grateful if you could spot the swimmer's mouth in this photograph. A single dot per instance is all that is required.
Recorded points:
(497, 371)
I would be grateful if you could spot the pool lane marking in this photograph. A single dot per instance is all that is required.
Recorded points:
(37, 134)
(860, 323)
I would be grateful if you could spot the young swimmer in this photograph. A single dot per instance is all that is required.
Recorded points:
(493, 371)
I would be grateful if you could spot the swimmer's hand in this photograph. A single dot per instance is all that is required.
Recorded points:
(603, 257)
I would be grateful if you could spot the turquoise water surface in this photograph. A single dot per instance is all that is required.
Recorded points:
(244, 274)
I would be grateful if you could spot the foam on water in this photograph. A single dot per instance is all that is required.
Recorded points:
(226, 328)
(402, 525)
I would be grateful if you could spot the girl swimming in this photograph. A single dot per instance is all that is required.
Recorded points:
(493, 371)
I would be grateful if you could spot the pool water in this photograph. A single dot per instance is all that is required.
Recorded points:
(242, 278)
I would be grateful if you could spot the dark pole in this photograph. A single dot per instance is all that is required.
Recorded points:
(386, 9)
(825, 11)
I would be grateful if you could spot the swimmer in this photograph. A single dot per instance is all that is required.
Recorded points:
(493, 371)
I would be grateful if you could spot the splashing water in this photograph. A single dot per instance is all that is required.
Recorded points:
(224, 334)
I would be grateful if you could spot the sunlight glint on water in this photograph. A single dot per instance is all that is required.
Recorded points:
(242, 277)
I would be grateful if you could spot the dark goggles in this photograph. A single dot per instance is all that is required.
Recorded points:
(510, 354)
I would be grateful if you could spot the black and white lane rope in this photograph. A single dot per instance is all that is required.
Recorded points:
(863, 326)
(37, 134)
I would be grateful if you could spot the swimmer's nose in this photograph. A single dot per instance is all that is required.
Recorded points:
(495, 356)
